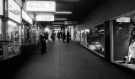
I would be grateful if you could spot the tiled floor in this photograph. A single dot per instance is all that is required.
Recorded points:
(67, 61)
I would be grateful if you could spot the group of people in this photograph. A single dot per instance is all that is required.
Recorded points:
(60, 35)
(66, 37)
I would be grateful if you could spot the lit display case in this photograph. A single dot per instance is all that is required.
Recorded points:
(84, 34)
(13, 37)
(11, 29)
(1, 47)
(122, 42)
(96, 40)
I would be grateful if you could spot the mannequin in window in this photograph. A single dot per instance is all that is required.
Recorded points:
(131, 52)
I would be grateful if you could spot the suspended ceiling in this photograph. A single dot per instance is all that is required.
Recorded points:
(80, 8)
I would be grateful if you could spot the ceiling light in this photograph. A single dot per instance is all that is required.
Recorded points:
(63, 12)
(41, 6)
(45, 17)
(60, 19)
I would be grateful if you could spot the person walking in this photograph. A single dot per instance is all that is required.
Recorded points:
(63, 37)
(43, 43)
(53, 36)
(68, 37)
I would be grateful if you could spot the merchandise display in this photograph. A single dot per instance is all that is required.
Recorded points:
(96, 38)
(124, 44)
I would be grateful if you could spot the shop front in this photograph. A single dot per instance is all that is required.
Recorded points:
(27, 25)
(123, 42)
(84, 34)
(1, 24)
(96, 40)
(11, 29)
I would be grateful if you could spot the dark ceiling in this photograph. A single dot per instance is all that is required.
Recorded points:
(80, 8)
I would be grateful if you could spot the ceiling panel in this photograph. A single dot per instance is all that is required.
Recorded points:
(80, 8)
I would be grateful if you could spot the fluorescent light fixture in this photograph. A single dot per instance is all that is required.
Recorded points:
(123, 19)
(60, 19)
(58, 23)
(68, 22)
(45, 17)
(63, 12)
(41, 6)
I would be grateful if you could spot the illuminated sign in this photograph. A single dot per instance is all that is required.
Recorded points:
(1, 7)
(123, 19)
(63, 12)
(45, 17)
(41, 6)
(26, 17)
(14, 11)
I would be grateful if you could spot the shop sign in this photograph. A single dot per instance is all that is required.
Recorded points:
(26, 17)
(1, 7)
(123, 19)
(45, 17)
(14, 11)
(41, 6)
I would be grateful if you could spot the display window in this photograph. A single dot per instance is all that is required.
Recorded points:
(13, 38)
(124, 43)
(12, 31)
(1, 47)
(78, 35)
(0, 29)
(84, 37)
(96, 40)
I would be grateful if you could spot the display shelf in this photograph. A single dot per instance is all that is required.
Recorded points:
(97, 53)
(83, 44)
(126, 65)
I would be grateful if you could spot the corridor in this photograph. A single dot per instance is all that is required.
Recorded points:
(64, 61)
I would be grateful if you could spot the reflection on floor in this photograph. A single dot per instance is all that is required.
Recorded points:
(93, 49)
(61, 61)
(128, 65)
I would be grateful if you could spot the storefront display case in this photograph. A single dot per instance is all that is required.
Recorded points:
(123, 52)
(96, 40)
(10, 29)
(1, 24)
(83, 36)
(13, 38)
(1, 47)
